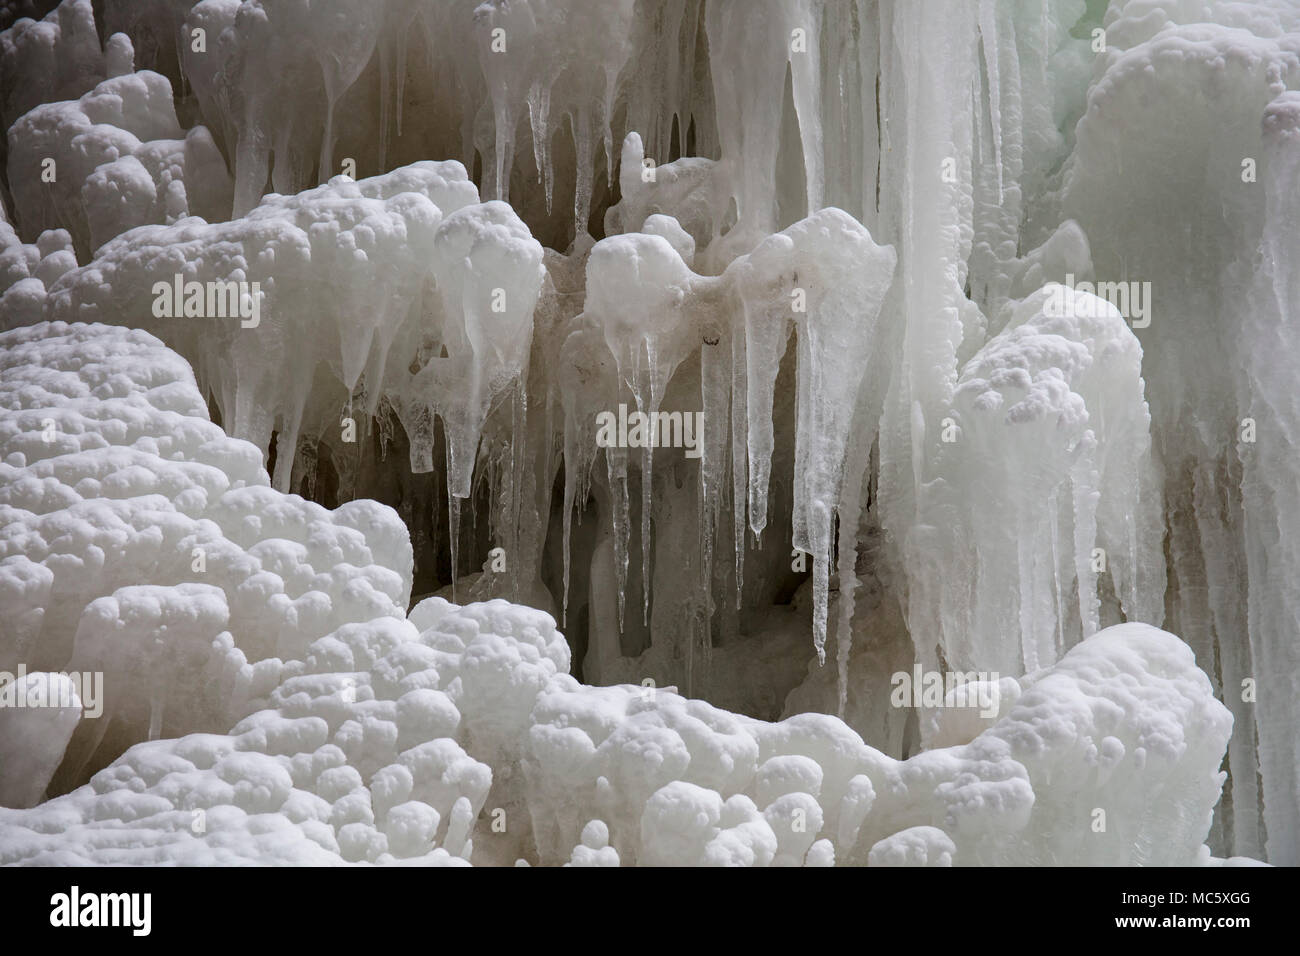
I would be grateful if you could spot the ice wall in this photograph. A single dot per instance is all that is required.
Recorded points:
(1213, 69)
(1268, 486)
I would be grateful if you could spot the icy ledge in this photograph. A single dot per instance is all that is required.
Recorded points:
(456, 734)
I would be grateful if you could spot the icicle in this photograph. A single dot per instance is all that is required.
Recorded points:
(805, 77)
(925, 124)
(518, 440)
(715, 400)
(1026, 562)
(80, 753)
(571, 472)
(587, 384)
(291, 418)
(385, 102)
(453, 532)
(988, 20)
(539, 118)
(1058, 599)
(767, 330)
(616, 466)
(568, 546)
(157, 699)
(343, 38)
(489, 273)
(402, 47)
(503, 154)
(1083, 482)
(647, 487)
(640, 291)
(581, 127)
(857, 471)
(762, 40)
(739, 455)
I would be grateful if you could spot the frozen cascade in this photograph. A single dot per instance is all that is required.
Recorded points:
(985, 466)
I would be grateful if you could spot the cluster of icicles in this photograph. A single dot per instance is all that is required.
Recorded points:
(443, 317)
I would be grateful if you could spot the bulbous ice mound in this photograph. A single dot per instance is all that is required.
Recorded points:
(138, 541)
(56, 58)
(114, 159)
(456, 734)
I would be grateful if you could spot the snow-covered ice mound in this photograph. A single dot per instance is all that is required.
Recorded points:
(458, 735)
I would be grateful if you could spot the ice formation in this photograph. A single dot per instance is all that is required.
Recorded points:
(367, 735)
(983, 309)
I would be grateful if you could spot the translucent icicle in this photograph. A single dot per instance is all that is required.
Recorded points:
(739, 457)
(616, 466)
(856, 474)
(453, 533)
(988, 20)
